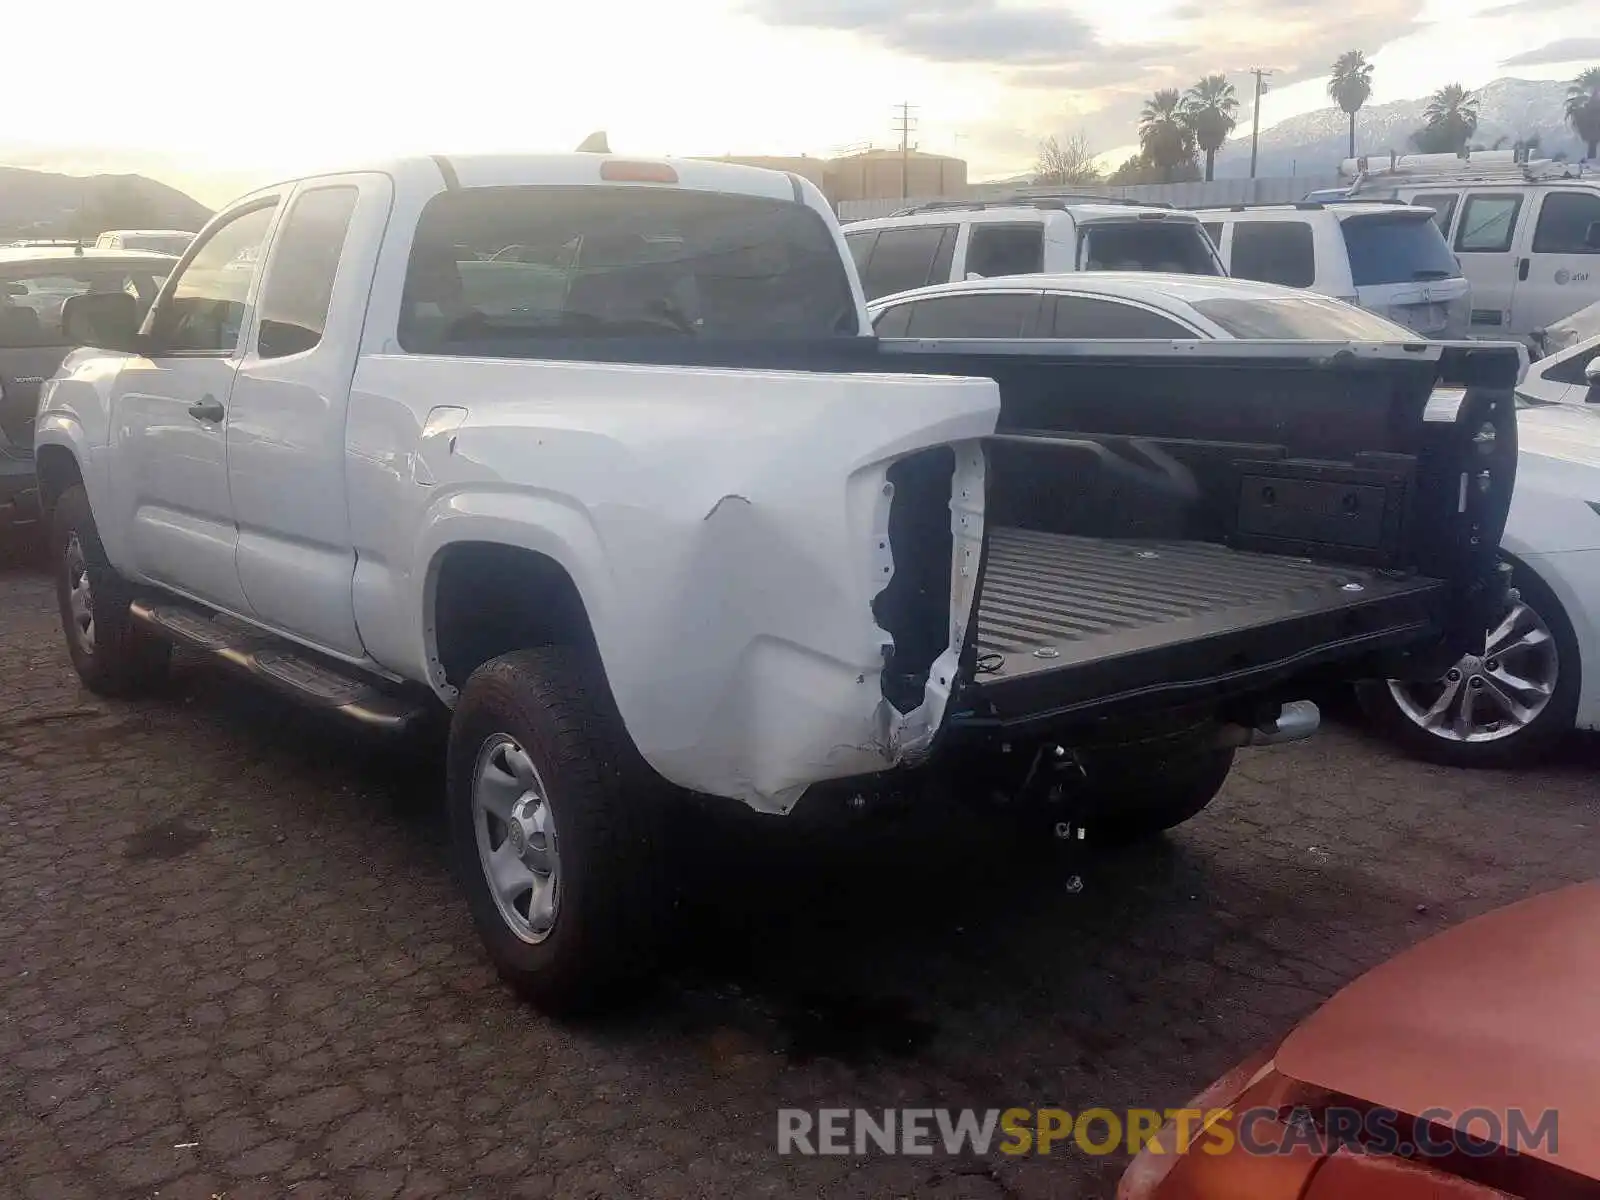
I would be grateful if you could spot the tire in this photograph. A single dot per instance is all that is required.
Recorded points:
(1394, 708)
(1144, 800)
(112, 655)
(591, 819)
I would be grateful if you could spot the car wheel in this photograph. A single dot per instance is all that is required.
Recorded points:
(1495, 708)
(112, 655)
(553, 821)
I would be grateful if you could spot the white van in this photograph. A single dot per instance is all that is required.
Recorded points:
(948, 240)
(1387, 258)
(1527, 232)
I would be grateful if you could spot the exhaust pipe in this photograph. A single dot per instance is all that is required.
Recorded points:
(1295, 722)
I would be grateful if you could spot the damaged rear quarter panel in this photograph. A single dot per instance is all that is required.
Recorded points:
(731, 549)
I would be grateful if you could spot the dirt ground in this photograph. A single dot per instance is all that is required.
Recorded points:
(232, 963)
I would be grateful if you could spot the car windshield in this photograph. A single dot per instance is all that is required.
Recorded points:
(526, 262)
(1179, 247)
(1308, 318)
(1397, 247)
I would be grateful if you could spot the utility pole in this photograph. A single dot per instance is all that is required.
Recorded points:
(1261, 73)
(905, 123)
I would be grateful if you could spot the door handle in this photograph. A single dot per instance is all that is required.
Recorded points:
(1522, 267)
(209, 408)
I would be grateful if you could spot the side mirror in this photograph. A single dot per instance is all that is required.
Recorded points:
(1592, 371)
(1591, 238)
(105, 320)
(16, 289)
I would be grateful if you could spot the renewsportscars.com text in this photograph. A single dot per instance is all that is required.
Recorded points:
(1255, 1131)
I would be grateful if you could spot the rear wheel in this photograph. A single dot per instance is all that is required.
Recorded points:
(1498, 706)
(554, 828)
(112, 655)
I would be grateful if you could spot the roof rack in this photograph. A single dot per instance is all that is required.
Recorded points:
(1055, 201)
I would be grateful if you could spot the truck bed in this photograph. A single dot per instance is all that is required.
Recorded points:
(1067, 621)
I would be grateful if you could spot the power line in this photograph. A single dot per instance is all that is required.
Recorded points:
(905, 122)
(1261, 74)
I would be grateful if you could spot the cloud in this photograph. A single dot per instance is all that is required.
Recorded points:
(1577, 49)
(1065, 76)
(949, 31)
(1519, 8)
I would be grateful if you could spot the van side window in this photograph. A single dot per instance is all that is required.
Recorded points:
(1443, 205)
(1488, 224)
(995, 249)
(1274, 252)
(1566, 220)
(907, 258)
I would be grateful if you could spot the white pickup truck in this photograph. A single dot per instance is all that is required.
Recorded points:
(598, 457)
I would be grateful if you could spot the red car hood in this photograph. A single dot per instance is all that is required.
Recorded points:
(1501, 1012)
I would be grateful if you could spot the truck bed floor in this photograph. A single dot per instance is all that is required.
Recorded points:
(1159, 611)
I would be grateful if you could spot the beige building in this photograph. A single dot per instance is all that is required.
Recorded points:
(870, 174)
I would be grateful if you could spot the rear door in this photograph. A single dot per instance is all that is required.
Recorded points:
(285, 432)
(1486, 233)
(1559, 268)
(1402, 268)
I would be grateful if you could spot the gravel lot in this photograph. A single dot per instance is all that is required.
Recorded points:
(232, 963)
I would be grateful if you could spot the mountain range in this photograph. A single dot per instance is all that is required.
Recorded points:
(46, 204)
(1314, 143)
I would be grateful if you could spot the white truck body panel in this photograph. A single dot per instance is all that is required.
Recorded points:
(748, 508)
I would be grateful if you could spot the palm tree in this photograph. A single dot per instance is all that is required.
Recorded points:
(1210, 110)
(1583, 108)
(1451, 118)
(1350, 87)
(1165, 140)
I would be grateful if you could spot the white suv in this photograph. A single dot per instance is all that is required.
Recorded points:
(1388, 258)
(948, 240)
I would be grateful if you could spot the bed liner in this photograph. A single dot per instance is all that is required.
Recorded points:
(1068, 622)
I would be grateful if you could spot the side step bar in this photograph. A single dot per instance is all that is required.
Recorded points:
(292, 670)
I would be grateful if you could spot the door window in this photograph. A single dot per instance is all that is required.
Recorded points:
(305, 259)
(994, 250)
(1488, 224)
(893, 322)
(1274, 252)
(1566, 222)
(1443, 205)
(910, 257)
(204, 312)
(1084, 317)
(1000, 315)
(1214, 232)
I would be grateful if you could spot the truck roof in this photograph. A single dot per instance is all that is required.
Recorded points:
(577, 170)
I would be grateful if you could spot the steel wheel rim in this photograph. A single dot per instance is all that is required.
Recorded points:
(1492, 695)
(80, 595)
(516, 836)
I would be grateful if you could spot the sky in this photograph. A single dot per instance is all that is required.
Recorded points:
(222, 97)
